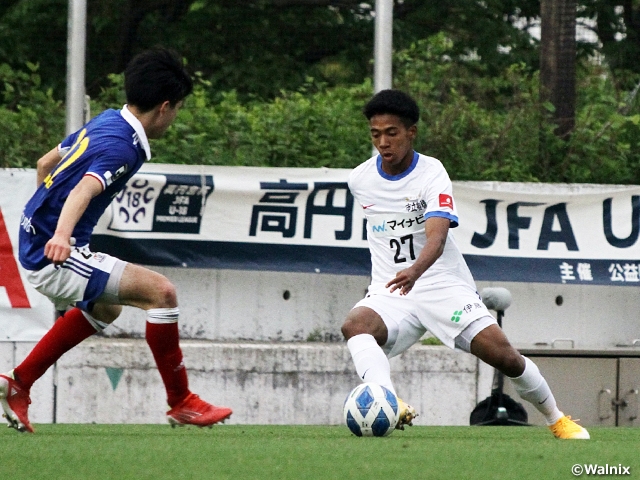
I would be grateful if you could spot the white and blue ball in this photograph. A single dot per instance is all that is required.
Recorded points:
(371, 410)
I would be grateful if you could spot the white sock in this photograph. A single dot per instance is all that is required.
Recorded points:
(532, 387)
(370, 361)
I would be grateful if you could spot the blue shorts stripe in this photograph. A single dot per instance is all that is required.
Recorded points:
(75, 269)
(79, 265)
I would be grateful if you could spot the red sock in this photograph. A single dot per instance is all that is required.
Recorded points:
(164, 341)
(67, 332)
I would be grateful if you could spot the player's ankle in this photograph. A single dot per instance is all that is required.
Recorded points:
(16, 378)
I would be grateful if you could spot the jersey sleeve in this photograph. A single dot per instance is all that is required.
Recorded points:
(439, 195)
(109, 166)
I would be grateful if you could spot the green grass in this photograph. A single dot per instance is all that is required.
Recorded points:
(315, 452)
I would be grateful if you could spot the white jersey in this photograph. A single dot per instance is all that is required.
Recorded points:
(396, 208)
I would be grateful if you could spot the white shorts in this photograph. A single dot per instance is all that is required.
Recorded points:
(447, 311)
(83, 279)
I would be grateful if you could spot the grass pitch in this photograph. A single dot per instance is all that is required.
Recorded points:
(315, 452)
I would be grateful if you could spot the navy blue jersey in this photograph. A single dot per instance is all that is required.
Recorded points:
(111, 147)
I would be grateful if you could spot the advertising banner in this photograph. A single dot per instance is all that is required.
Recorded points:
(551, 233)
(306, 220)
(25, 315)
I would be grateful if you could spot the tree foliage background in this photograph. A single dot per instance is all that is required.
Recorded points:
(282, 82)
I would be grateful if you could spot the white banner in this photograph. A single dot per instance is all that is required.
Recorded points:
(554, 233)
(306, 220)
(25, 315)
(238, 217)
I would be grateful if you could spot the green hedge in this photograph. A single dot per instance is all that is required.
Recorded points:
(31, 120)
(491, 128)
(482, 127)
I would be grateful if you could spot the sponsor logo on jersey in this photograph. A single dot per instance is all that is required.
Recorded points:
(121, 171)
(416, 206)
(109, 177)
(446, 201)
(379, 228)
(395, 225)
(415, 203)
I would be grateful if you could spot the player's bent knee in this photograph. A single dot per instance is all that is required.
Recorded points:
(145, 289)
(353, 326)
(347, 330)
(362, 320)
(166, 294)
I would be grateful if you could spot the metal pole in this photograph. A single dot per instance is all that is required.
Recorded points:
(383, 49)
(76, 48)
(383, 45)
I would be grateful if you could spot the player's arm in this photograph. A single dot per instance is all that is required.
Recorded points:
(436, 229)
(46, 164)
(58, 248)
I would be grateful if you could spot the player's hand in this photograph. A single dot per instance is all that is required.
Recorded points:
(58, 249)
(404, 280)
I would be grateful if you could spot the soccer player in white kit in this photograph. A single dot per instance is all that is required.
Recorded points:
(76, 182)
(419, 279)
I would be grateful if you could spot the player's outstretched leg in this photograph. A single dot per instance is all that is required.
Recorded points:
(492, 346)
(15, 403)
(532, 387)
(195, 411)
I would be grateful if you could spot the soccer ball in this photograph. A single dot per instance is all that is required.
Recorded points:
(371, 410)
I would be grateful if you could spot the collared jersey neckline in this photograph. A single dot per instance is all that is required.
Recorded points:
(137, 126)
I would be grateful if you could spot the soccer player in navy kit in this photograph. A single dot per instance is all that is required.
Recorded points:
(76, 182)
(420, 280)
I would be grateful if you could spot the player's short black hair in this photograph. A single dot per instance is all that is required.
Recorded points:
(155, 76)
(394, 102)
